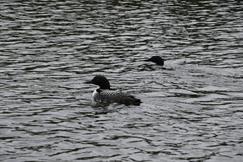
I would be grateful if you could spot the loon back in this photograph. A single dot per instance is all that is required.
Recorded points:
(110, 96)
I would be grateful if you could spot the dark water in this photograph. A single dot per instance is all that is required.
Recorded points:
(192, 109)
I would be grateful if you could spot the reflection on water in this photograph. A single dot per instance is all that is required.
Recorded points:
(192, 108)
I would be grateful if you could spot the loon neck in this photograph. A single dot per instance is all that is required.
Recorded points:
(105, 86)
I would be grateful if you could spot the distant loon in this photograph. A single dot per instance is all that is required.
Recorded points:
(156, 59)
(105, 95)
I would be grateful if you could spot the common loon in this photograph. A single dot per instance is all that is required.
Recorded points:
(104, 94)
(156, 59)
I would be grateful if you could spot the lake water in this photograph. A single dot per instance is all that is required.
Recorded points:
(192, 109)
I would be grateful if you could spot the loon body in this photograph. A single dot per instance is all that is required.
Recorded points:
(105, 95)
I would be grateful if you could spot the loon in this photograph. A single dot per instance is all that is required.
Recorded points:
(105, 95)
(157, 60)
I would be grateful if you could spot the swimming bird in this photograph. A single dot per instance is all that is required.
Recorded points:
(157, 60)
(104, 94)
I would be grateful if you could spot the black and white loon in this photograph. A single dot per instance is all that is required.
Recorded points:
(157, 60)
(104, 94)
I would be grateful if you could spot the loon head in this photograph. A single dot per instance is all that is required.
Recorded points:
(156, 59)
(101, 81)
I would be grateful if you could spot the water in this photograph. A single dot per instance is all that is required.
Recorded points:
(191, 110)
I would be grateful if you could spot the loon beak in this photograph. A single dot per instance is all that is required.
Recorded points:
(147, 60)
(88, 82)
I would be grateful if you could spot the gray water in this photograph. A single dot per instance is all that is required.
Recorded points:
(192, 108)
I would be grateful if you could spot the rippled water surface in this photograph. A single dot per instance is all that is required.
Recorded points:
(192, 108)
